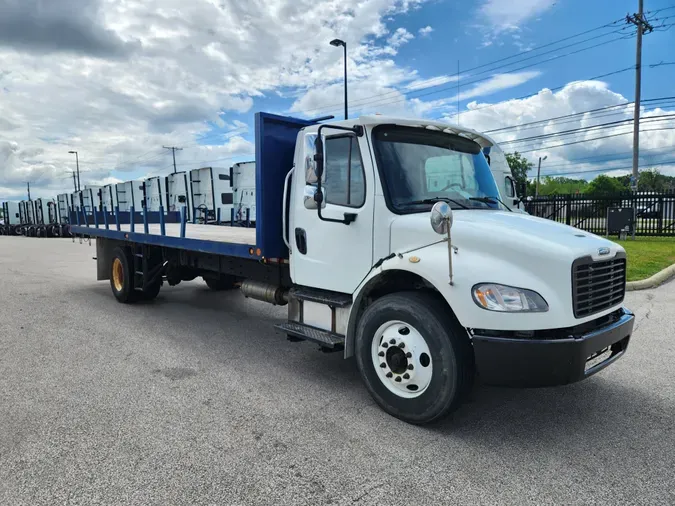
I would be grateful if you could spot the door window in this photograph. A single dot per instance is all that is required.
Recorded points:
(344, 177)
(510, 191)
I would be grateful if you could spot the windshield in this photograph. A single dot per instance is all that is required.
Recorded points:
(419, 166)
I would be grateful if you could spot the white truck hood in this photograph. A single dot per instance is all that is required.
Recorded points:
(499, 247)
(501, 233)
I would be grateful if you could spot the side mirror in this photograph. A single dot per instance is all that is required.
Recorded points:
(318, 157)
(312, 197)
(522, 190)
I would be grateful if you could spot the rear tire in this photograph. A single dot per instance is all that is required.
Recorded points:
(430, 367)
(152, 291)
(121, 276)
(224, 282)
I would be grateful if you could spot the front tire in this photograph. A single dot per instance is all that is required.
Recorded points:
(414, 358)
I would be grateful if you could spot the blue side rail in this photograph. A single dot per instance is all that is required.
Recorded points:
(107, 224)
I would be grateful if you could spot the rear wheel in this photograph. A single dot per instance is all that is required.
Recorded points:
(414, 357)
(121, 276)
(151, 291)
(224, 282)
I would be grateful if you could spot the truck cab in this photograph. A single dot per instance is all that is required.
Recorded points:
(398, 242)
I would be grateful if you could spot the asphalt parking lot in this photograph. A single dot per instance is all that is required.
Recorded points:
(194, 399)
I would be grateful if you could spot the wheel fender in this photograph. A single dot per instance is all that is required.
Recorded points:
(375, 277)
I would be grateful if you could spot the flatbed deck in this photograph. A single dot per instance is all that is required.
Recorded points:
(215, 239)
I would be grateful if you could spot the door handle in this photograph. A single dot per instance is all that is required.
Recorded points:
(301, 240)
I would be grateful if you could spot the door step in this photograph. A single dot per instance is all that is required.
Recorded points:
(324, 338)
(333, 299)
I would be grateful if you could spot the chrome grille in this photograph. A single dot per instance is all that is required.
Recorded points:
(597, 285)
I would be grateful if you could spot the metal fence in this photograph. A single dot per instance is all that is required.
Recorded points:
(655, 212)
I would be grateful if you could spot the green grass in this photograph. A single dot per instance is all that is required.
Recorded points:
(647, 255)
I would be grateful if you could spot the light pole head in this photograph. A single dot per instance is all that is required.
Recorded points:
(338, 43)
(72, 152)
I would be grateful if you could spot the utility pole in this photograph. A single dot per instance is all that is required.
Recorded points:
(28, 185)
(536, 192)
(74, 180)
(173, 151)
(77, 163)
(643, 27)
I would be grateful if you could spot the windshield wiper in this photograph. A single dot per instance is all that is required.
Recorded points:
(433, 200)
(490, 200)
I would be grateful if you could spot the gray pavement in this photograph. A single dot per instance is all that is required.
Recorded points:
(194, 399)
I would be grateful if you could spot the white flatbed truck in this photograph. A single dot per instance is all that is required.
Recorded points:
(426, 285)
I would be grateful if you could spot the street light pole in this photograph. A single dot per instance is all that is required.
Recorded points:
(77, 163)
(536, 192)
(337, 43)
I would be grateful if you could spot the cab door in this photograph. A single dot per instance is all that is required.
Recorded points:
(328, 254)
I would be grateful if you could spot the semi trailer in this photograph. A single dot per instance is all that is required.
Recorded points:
(11, 218)
(427, 286)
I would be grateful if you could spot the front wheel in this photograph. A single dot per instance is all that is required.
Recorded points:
(414, 357)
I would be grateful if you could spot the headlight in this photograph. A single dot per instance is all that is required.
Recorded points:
(494, 297)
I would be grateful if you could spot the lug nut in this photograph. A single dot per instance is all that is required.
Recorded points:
(410, 367)
(381, 354)
(383, 365)
(401, 344)
(389, 374)
(408, 355)
(385, 345)
(397, 379)
(406, 376)
(392, 341)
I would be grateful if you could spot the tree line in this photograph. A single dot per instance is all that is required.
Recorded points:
(651, 180)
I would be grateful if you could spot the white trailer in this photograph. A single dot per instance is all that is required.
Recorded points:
(64, 203)
(12, 218)
(243, 185)
(156, 193)
(212, 196)
(109, 197)
(178, 193)
(130, 193)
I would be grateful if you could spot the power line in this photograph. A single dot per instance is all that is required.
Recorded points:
(608, 169)
(661, 117)
(560, 87)
(574, 115)
(443, 79)
(609, 157)
(440, 90)
(542, 148)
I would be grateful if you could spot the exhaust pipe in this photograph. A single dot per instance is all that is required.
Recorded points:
(272, 294)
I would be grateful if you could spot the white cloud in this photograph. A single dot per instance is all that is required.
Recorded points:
(656, 139)
(496, 83)
(397, 39)
(419, 84)
(509, 15)
(426, 31)
(129, 76)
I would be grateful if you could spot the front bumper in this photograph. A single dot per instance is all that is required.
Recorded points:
(556, 360)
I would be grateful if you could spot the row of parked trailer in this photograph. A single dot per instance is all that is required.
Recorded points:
(208, 195)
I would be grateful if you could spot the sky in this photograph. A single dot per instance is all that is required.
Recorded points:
(116, 80)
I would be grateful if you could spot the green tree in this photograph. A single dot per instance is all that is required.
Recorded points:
(651, 180)
(561, 185)
(519, 166)
(605, 186)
